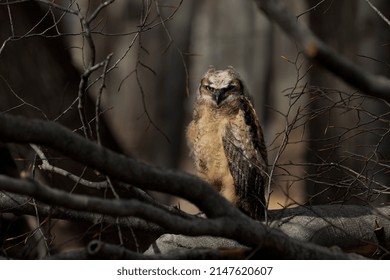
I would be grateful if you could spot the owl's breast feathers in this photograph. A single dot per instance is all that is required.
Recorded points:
(229, 151)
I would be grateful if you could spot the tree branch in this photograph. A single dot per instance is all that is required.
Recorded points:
(317, 50)
(112, 207)
(20, 130)
(224, 219)
(348, 227)
(22, 205)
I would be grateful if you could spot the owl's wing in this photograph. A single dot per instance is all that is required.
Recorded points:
(248, 170)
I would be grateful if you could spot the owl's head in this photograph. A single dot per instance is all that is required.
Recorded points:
(221, 87)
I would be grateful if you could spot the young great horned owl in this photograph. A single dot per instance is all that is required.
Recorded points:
(227, 143)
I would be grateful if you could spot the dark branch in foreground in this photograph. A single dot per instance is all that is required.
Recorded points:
(327, 225)
(20, 130)
(22, 205)
(224, 220)
(112, 207)
(317, 50)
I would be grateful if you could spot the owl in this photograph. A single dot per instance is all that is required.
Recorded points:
(226, 141)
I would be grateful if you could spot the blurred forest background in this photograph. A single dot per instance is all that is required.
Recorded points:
(326, 141)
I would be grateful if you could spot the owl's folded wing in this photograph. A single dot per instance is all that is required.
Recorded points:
(248, 175)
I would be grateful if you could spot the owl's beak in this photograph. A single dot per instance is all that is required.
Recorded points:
(218, 96)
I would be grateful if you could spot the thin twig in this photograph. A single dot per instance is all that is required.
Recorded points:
(48, 167)
(378, 12)
(99, 97)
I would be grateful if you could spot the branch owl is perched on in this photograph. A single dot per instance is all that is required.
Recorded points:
(227, 143)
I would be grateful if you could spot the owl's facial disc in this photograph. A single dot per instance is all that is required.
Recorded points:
(224, 94)
(221, 87)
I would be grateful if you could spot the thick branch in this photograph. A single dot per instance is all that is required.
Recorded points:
(22, 205)
(113, 207)
(130, 190)
(349, 227)
(317, 50)
(353, 228)
(224, 220)
(20, 130)
(271, 242)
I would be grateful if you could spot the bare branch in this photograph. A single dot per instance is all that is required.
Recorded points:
(114, 208)
(21, 205)
(224, 220)
(98, 99)
(83, 87)
(317, 50)
(99, 9)
(267, 239)
(21, 99)
(378, 12)
(131, 191)
(19, 129)
(51, 168)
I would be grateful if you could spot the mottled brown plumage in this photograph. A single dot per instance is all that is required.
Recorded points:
(227, 142)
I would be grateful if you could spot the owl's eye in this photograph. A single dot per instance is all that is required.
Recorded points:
(235, 85)
(208, 88)
(230, 87)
